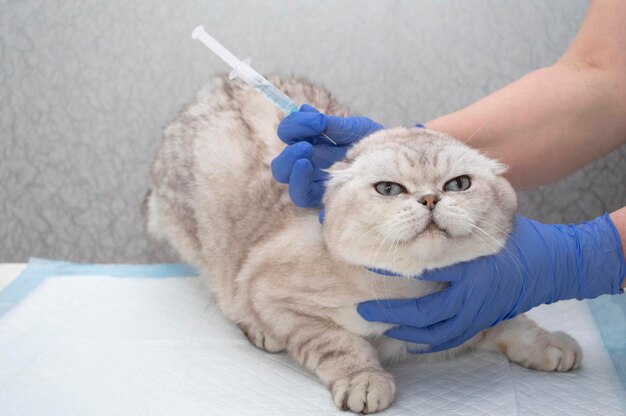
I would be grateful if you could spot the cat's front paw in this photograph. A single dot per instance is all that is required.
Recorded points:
(367, 391)
(556, 351)
(525, 343)
(543, 350)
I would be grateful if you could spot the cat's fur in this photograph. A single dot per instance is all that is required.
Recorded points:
(292, 284)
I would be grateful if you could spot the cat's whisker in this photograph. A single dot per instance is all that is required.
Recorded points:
(396, 243)
(394, 229)
(395, 251)
(370, 279)
(380, 246)
(373, 261)
(491, 222)
(486, 222)
(459, 160)
(517, 262)
(475, 132)
(401, 226)
(482, 240)
(468, 227)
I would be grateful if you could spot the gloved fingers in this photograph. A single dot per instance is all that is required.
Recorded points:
(301, 125)
(324, 157)
(308, 109)
(452, 273)
(436, 334)
(303, 190)
(410, 334)
(300, 182)
(319, 175)
(309, 123)
(317, 194)
(420, 312)
(347, 130)
(283, 164)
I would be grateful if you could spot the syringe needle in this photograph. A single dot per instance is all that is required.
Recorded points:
(328, 138)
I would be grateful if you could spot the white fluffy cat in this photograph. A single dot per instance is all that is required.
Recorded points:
(293, 284)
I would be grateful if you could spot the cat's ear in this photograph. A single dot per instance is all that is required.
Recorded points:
(339, 166)
(498, 168)
(338, 174)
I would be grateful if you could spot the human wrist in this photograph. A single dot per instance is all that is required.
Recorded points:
(590, 261)
(619, 222)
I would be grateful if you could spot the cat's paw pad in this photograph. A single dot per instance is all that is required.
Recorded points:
(367, 391)
(555, 351)
(262, 340)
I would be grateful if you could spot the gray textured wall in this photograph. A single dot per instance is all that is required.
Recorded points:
(86, 88)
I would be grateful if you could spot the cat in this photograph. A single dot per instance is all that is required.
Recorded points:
(292, 284)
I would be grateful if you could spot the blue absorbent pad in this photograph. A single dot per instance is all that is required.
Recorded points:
(80, 339)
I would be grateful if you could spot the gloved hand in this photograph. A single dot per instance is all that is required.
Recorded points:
(541, 263)
(300, 164)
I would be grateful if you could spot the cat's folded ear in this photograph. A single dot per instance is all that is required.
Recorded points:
(340, 169)
(338, 174)
(495, 166)
(339, 166)
(498, 168)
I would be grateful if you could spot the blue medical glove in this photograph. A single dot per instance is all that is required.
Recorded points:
(300, 164)
(541, 263)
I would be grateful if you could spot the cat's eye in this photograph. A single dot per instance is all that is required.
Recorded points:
(389, 188)
(458, 184)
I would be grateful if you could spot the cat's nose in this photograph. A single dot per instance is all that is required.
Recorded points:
(429, 201)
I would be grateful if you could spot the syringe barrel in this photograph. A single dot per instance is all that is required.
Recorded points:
(262, 85)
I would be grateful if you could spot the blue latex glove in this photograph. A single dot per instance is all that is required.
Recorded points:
(542, 263)
(300, 164)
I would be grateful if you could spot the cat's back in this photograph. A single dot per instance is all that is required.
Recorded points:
(213, 196)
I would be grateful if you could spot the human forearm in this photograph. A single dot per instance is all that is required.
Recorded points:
(556, 119)
(541, 125)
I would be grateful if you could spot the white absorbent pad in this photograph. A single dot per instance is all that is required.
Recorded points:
(86, 344)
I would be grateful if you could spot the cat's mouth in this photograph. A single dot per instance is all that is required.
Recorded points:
(430, 231)
(432, 228)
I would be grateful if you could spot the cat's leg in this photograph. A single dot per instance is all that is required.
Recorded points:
(345, 362)
(525, 343)
(260, 338)
(246, 318)
(391, 351)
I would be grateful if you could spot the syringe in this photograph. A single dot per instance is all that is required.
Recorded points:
(244, 71)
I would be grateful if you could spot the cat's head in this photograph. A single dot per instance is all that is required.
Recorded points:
(408, 199)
